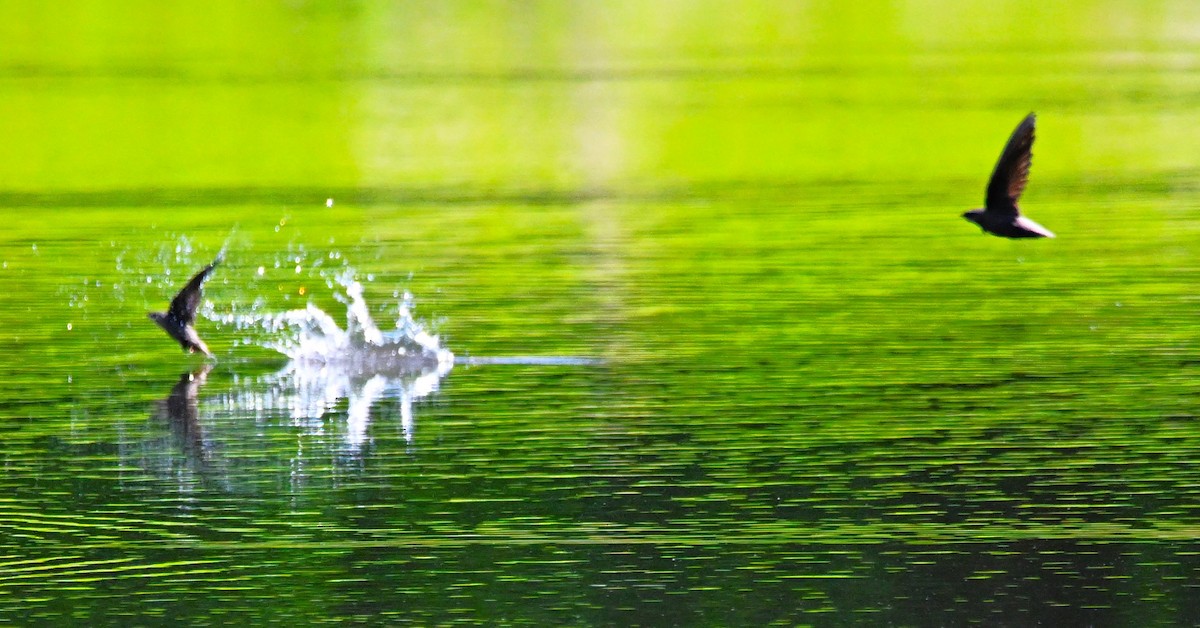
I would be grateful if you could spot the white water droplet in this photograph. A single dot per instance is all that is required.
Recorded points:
(297, 269)
(329, 202)
(68, 327)
(261, 270)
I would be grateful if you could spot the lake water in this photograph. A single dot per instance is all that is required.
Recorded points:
(724, 351)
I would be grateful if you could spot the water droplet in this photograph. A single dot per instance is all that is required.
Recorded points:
(329, 202)
(68, 327)
(297, 269)
(261, 270)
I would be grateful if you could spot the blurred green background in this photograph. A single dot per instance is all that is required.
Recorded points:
(823, 397)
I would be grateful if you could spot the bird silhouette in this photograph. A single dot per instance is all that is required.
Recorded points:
(1000, 214)
(178, 321)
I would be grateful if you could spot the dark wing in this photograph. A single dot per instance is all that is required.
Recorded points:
(183, 306)
(1012, 171)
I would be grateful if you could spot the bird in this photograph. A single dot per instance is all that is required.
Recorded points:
(1000, 214)
(179, 319)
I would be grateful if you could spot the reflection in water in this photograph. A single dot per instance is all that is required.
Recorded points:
(221, 435)
(181, 412)
(306, 392)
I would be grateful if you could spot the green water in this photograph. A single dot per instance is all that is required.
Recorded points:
(820, 396)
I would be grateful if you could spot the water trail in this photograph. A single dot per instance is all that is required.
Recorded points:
(543, 360)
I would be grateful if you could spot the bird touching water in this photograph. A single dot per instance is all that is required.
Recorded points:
(1000, 215)
(178, 321)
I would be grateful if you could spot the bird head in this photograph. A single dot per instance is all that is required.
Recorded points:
(156, 316)
(975, 215)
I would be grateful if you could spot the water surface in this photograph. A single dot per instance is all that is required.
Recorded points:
(724, 352)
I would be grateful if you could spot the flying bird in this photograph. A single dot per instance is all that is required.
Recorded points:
(178, 321)
(1000, 215)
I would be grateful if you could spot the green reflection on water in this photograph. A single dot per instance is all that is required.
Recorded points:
(820, 391)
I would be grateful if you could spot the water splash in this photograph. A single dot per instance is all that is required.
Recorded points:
(333, 388)
(327, 363)
(311, 337)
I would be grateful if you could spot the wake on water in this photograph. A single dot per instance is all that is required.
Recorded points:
(359, 363)
(310, 337)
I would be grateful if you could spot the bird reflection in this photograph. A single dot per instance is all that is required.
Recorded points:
(323, 412)
(180, 410)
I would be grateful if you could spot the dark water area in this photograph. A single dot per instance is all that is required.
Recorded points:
(708, 342)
